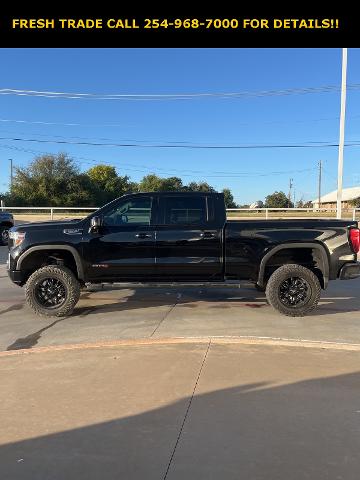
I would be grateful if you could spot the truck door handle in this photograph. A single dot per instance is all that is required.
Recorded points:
(143, 235)
(207, 235)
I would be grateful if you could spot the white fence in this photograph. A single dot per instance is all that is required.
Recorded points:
(308, 210)
(265, 211)
(50, 209)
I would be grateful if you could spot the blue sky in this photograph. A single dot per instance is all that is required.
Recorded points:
(261, 120)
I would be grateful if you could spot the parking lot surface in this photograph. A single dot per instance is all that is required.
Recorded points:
(153, 383)
(165, 412)
(122, 313)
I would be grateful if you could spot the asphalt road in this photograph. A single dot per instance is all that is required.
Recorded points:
(119, 313)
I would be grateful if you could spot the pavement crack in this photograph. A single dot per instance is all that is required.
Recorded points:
(166, 314)
(187, 410)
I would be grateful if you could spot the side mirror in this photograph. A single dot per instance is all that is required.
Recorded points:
(95, 224)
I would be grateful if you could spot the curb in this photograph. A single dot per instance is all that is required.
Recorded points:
(240, 340)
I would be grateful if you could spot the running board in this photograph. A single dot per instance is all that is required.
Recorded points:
(227, 284)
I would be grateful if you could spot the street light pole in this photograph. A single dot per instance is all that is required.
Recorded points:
(319, 184)
(290, 188)
(11, 173)
(341, 134)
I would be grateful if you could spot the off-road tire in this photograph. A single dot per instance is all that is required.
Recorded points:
(68, 280)
(284, 273)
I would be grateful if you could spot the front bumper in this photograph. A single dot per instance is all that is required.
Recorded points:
(349, 271)
(16, 276)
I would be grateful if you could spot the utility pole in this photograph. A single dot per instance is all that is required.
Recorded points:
(341, 133)
(290, 187)
(11, 173)
(319, 185)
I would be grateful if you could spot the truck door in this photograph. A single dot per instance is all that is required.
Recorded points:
(124, 247)
(188, 242)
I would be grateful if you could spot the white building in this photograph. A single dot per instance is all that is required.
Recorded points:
(329, 200)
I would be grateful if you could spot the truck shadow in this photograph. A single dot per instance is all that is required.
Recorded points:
(301, 430)
(216, 300)
(157, 297)
(248, 298)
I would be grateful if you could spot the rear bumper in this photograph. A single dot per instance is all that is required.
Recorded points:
(349, 271)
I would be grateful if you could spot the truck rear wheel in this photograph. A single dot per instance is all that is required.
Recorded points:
(52, 291)
(293, 290)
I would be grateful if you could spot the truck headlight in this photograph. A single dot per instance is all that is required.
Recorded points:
(17, 237)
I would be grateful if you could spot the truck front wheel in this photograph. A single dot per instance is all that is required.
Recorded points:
(293, 290)
(52, 291)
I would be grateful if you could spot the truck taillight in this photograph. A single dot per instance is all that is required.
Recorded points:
(355, 239)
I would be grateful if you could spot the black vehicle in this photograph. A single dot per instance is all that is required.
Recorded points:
(6, 222)
(181, 238)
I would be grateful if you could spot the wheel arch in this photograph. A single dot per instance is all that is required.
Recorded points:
(322, 257)
(75, 254)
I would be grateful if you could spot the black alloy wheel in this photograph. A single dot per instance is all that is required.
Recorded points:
(50, 293)
(294, 292)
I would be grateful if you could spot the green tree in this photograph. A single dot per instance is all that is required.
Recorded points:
(172, 184)
(150, 183)
(153, 183)
(50, 180)
(55, 180)
(229, 199)
(355, 203)
(302, 204)
(107, 185)
(102, 174)
(199, 187)
(278, 200)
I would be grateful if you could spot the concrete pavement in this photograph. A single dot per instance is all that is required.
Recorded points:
(175, 411)
(118, 313)
(179, 408)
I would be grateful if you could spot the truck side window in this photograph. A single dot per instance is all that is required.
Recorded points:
(135, 211)
(185, 210)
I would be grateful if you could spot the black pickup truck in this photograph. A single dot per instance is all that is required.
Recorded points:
(180, 238)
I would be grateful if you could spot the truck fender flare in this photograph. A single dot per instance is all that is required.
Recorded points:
(324, 266)
(72, 250)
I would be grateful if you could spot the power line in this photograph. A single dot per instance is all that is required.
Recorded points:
(216, 147)
(93, 138)
(68, 124)
(176, 96)
(118, 125)
(148, 142)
